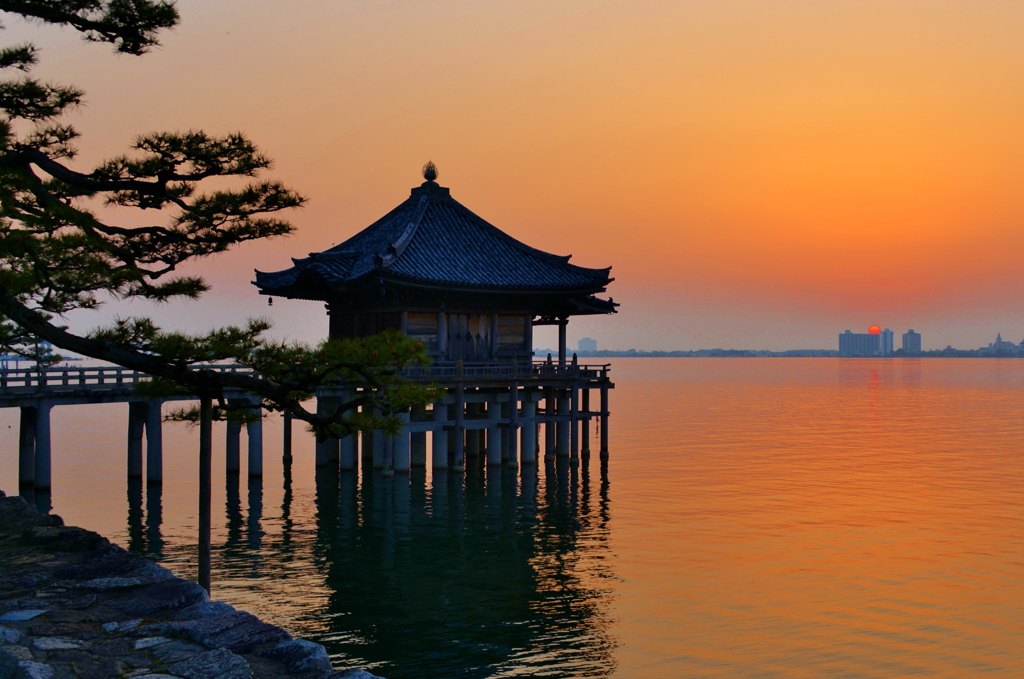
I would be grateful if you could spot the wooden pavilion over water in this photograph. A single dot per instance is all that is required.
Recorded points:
(472, 295)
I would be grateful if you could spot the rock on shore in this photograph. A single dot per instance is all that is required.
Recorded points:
(72, 605)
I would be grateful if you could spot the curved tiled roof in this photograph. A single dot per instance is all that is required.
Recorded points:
(434, 240)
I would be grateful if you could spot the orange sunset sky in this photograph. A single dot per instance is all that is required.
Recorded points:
(759, 174)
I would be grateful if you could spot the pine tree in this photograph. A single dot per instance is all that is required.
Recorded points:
(59, 253)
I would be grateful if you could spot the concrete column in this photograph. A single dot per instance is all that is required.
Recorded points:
(604, 422)
(507, 419)
(154, 442)
(574, 419)
(42, 479)
(254, 434)
(402, 457)
(348, 452)
(493, 432)
(136, 427)
(418, 441)
(529, 430)
(232, 447)
(513, 425)
(460, 428)
(27, 447)
(562, 447)
(585, 423)
(439, 449)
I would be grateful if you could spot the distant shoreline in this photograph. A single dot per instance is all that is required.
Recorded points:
(794, 353)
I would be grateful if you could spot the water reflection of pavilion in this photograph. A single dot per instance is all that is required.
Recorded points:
(482, 574)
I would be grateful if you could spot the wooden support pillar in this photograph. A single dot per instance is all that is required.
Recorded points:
(513, 425)
(254, 434)
(493, 432)
(27, 447)
(136, 428)
(233, 447)
(574, 419)
(442, 334)
(585, 423)
(549, 426)
(42, 476)
(604, 422)
(439, 447)
(348, 446)
(506, 418)
(460, 427)
(286, 455)
(154, 441)
(402, 458)
(562, 323)
(529, 429)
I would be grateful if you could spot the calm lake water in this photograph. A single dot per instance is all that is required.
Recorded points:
(758, 518)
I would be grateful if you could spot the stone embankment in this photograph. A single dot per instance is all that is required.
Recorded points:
(74, 606)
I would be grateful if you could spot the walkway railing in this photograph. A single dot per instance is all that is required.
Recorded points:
(30, 380)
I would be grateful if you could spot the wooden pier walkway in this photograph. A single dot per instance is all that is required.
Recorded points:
(492, 408)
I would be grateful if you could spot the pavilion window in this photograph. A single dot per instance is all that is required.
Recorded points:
(422, 327)
(512, 333)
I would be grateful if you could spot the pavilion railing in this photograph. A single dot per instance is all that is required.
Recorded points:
(21, 380)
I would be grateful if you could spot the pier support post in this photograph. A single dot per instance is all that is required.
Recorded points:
(585, 423)
(529, 429)
(136, 427)
(27, 448)
(325, 451)
(574, 420)
(439, 447)
(381, 452)
(254, 434)
(549, 426)
(513, 425)
(154, 441)
(604, 422)
(493, 432)
(42, 475)
(402, 458)
(460, 428)
(286, 454)
(233, 447)
(562, 447)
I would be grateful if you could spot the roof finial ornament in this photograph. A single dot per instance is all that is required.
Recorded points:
(430, 171)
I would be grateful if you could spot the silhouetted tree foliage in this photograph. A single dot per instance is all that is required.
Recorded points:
(59, 252)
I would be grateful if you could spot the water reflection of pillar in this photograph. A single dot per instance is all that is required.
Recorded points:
(286, 506)
(232, 510)
(136, 539)
(154, 520)
(348, 499)
(417, 494)
(529, 491)
(493, 492)
(438, 503)
(327, 500)
(254, 528)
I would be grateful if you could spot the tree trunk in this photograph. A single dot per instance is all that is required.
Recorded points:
(205, 457)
